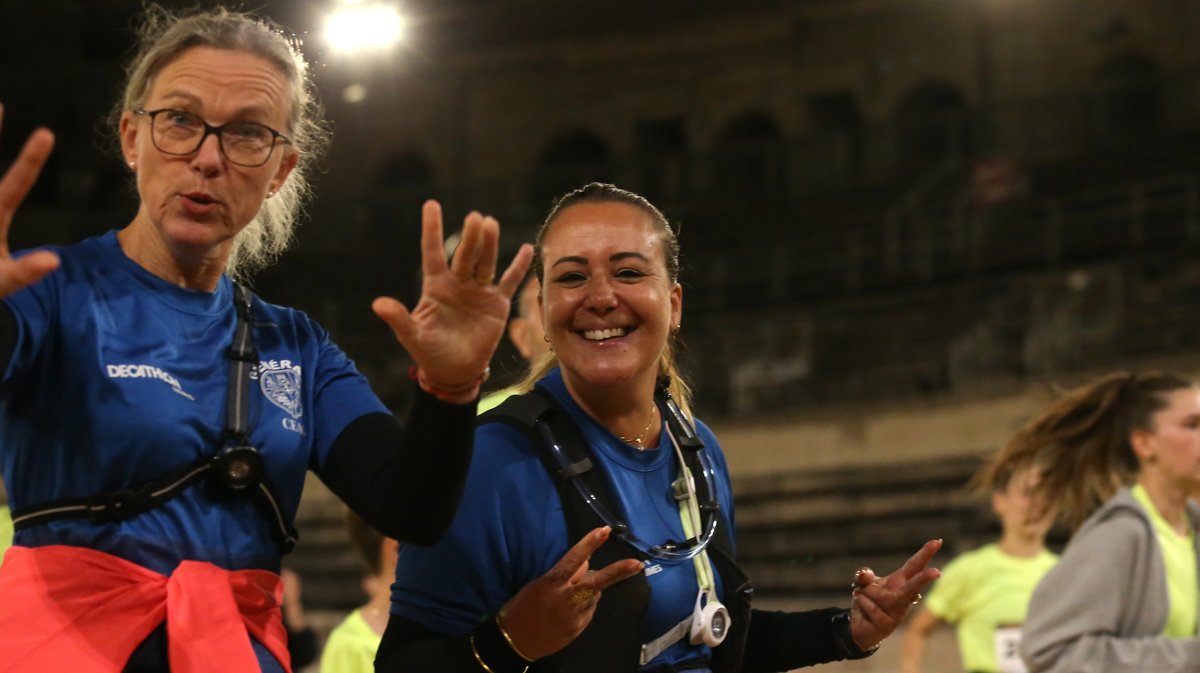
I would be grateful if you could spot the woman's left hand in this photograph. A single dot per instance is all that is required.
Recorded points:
(460, 317)
(880, 603)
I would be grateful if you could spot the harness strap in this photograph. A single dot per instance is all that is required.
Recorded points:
(660, 644)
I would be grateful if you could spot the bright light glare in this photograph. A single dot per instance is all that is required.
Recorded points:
(364, 27)
(355, 93)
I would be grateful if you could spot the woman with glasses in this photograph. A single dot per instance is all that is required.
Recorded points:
(565, 554)
(159, 420)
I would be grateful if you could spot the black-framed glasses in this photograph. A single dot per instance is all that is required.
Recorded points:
(179, 133)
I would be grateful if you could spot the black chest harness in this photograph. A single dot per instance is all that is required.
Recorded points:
(613, 640)
(235, 470)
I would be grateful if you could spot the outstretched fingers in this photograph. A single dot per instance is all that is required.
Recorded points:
(613, 573)
(20, 178)
(916, 569)
(397, 317)
(29, 269)
(470, 248)
(485, 264)
(433, 255)
(568, 567)
(516, 270)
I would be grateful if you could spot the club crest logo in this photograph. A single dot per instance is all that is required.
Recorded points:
(282, 387)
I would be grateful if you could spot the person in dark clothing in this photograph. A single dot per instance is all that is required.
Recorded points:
(159, 419)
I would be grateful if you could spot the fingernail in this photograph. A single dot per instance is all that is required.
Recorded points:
(603, 533)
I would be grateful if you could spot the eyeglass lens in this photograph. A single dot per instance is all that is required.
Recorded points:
(243, 143)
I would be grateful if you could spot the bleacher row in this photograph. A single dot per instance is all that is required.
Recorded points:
(799, 535)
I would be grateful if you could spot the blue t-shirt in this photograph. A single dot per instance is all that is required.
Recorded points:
(119, 378)
(510, 529)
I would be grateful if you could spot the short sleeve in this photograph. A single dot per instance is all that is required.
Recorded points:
(948, 595)
(341, 394)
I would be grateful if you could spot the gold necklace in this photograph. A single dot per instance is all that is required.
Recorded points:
(638, 442)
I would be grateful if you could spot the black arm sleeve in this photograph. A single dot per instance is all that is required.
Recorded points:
(408, 646)
(782, 641)
(405, 480)
(8, 335)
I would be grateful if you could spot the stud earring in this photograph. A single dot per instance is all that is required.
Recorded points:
(270, 193)
(132, 165)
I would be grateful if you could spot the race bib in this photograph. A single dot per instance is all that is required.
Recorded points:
(1008, 650)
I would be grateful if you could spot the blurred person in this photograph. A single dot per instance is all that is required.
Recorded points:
(985, 592)
(526, 334)
(1118, 459)
(573, 568)
(159, 419)
(301, 637)
(352, 644)
(6, 526)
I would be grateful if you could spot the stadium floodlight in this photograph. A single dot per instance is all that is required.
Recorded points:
(360, 26)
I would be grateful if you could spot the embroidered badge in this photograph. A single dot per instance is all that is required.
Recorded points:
(282, 387)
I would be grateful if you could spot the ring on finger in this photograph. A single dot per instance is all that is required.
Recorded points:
(917, 599)
(581, 595)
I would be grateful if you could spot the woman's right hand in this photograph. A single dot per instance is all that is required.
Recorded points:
(14, 186)
(551, 611)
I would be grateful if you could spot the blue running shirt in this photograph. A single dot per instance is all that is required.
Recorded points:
(510, 529)
(119, 377)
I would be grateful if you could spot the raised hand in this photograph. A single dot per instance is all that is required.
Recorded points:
(880, 603)
(460, 317)
(551, 611)
(14, 186)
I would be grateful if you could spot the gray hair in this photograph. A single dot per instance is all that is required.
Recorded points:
(163, 36)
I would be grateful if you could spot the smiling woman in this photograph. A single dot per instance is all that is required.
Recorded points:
(566, 554)
(160, 419)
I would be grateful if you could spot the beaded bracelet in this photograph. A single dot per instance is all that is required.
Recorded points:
(415, 373)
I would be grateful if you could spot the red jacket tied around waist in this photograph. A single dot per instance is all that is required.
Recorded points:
(75, 609)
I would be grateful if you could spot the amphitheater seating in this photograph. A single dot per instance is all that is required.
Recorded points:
(803, 535)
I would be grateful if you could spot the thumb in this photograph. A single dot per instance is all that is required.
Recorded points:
(397, 318)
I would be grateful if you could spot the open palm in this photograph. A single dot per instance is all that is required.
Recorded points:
(14, 186)
(460, 317)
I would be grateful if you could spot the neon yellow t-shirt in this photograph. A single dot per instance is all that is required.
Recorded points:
(493, 400)
(986, 593)
(351, 647)
(6, 530)
(1179, 558)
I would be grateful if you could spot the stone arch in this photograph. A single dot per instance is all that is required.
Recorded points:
(1132, 95)
(568, 160)
(931, 123)
(749, 154)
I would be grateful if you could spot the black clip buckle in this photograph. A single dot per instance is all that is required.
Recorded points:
(121, 505)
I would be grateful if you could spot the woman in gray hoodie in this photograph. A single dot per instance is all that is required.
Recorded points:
(1118, 459)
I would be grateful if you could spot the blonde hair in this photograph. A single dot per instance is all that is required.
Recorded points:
(599, 192)
(163, 37)
(1080, 444)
